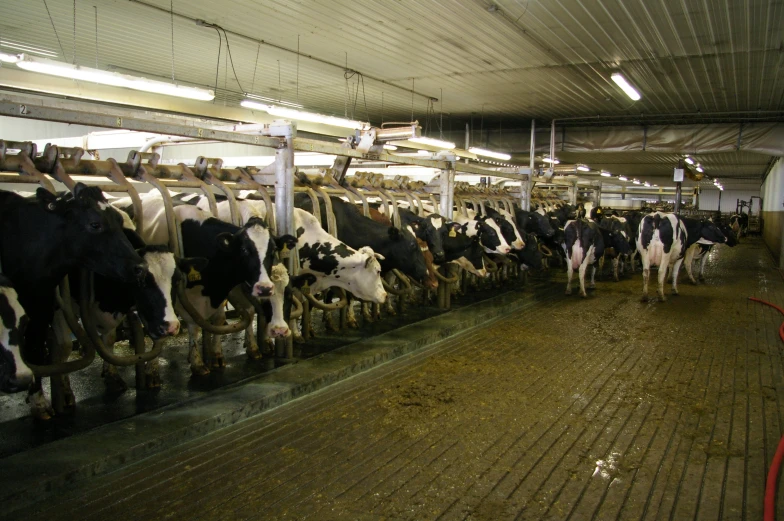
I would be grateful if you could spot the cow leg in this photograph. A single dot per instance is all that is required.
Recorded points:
(665, 262)
(601, 270)
(690, 265)
(152, 374)
(703, 262)
(351, 317)
(581, 273)
(40, 408)
(388, 307)
(365, 311)
(329, 322)
(569, 273)
(675, 271)
(593, 276)
(214, 347)
(198, 368)
(646, 274)
(111, 377)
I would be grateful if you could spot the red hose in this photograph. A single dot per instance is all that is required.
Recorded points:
(773, 473)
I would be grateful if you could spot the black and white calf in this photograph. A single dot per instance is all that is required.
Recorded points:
(15, 376)
(584, 246)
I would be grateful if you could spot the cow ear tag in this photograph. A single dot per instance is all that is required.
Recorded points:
(452, 233)
(285, 249)
(193, 275)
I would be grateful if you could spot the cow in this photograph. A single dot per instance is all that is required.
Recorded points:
(41, 241)
(700, 249)
(505, 224)
(663, 239)
(533, 222)
(584, 246)
(530, 257)
(488, 231)
(235, 255)
(15, 376)
(615, 233)
(397, 248)
(430, 228)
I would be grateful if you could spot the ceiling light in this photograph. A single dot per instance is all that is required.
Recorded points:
(446, 145)
(630, 91)
(115, 79)
(9, 58)
(583, 168)
(689, 160)
(28, 48)
(289, 113)
(622, 178)
(270, 100)
(699, 169)
(605, 174)
(489, 153)
(655, 184)
(636, 182)
(548, 160)
(647, 184)
(390, 147)
(424, 153)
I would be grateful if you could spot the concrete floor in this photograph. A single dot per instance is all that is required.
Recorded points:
(603, 408)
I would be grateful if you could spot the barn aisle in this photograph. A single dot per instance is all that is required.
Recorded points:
(605, 408)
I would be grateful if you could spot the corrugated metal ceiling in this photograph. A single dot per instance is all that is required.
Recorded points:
(521, 58)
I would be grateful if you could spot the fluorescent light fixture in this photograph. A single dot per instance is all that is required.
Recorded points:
(647, 184)
(289, 113)
(489, 153)
(390, 147)
(636, 182)
(630, 91)
(699, 169)
(689, 160)
(28, 48)
(9, 58)
(583, 168)
(114, 79)
(655, 184)
(548, 160)
(622, 178)
(270, 100)
(424, 153)
(605, 174)
(446, 145)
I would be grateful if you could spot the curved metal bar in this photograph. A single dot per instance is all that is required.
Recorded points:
(73, 365)
(491, 266)
(297, 309)
(328, 307)
(314, 199)
(332, 226)
(188, 176)
(447, 280)
(420, 210)
(403, 279)
(175, 239)
(389, 204)
(243, 322)
(27, 167)
(211, 177)
(90, 329)
(547, 252)
(365, 207)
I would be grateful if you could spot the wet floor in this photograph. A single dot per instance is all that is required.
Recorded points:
(597, 408)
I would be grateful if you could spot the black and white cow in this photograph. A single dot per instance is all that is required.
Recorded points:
(615, 232)
(584, 246)
(15, 376)
(236, 255)
(533, 222)
(430, 228)
(506, 224)
(530, 257)
(700, 249)
(663, 239)
(395, 248)
(488, 231)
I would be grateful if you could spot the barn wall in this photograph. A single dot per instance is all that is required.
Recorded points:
(773, 210)
(709, 199)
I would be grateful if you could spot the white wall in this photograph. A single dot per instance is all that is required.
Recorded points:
(773, 189)
(709, 199)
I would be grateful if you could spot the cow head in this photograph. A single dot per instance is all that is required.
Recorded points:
(530, 256)
(93, 233)
(404, 254)
(508, 230)
(711, 232)
(366, 277)
(730, 233)
(255, 248)
(15, 376)
(491, 237)
(433, 230)
(155, 296)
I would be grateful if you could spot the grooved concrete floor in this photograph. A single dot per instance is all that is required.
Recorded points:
(604, 408)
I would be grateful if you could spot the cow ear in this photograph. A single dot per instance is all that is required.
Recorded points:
(78, 190)
(46, 198)
(197, 264)
(285, 242)
(224, 241)
(394, 233)
(379, 256)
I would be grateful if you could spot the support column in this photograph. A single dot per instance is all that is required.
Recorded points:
(447, 191)
(284, 220)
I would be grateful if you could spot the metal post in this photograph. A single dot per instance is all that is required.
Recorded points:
(678, 197)
(284, 219)
(552, 149)
(447, 191)
(467, 137)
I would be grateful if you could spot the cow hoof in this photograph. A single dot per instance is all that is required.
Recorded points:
(583, 295)
(114, 384)
(662, 298)
(352, 323)
(644, 298)
(254, 353)
(200, 370)
(152, 381)
(568, 292)
(298, 339)
(592, 286)
(217, 362)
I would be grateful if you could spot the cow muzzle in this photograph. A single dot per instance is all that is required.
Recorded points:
(263, 290)
(278, 331)
(170, 328)
(439, 258)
